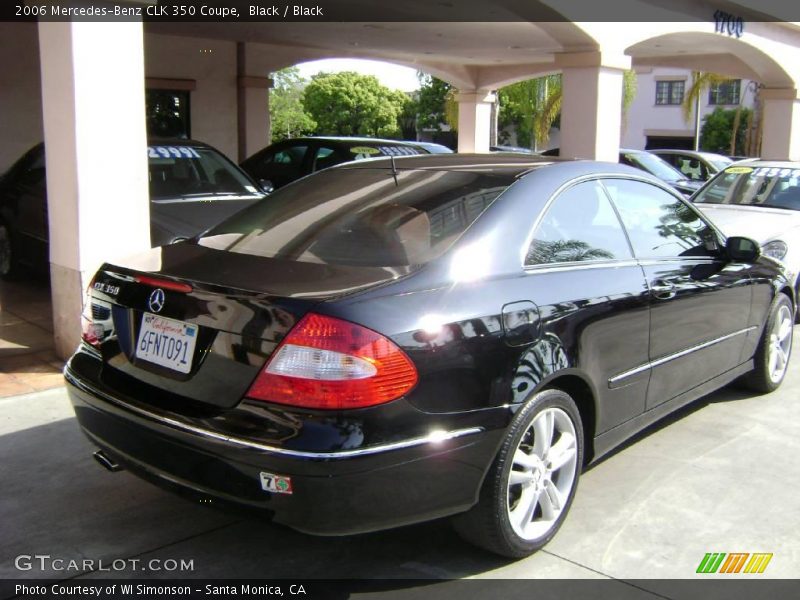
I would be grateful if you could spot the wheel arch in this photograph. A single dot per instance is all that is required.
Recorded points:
(582, 393)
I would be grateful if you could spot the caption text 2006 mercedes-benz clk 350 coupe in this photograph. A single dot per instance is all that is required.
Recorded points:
(398, 340)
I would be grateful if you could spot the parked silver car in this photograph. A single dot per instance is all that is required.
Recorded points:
(697, 166)
(759, 199)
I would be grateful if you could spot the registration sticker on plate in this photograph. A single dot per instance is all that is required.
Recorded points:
(277, 484)
(167, 342)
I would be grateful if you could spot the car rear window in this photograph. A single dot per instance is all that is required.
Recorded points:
(361, 217)
(185, 171)
(363, 151)
(768, 187)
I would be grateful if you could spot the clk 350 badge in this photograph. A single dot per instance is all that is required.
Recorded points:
(106, 288)
(277, 484)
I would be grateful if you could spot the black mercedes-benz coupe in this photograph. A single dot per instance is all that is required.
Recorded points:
(398, 340)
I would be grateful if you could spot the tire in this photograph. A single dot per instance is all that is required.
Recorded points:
(774, 349)
(8, 264)
(523, 500)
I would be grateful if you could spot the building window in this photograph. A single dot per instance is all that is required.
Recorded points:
(725, 93)
(168, 113)
(669, 92)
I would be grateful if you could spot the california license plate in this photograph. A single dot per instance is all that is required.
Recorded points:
(167, 342)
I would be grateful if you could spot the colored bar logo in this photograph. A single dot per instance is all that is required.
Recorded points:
(734, 562)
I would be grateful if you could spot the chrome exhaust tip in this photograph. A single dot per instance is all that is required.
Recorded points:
(102, 458)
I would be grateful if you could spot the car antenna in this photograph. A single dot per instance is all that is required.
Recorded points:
(394, 170)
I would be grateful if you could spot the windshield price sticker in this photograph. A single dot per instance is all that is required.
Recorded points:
(775, 172)
(171, 152)
(364, 150)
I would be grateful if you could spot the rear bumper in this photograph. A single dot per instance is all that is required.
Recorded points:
(333, 493)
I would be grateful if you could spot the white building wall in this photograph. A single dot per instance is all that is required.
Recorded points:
(212, 65)
(20, 92)
(645, 117)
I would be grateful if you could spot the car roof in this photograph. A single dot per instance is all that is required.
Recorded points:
(355, 140)
(697, 153)
(507, 163)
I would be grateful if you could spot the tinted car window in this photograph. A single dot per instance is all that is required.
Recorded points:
(292, 156)
(579, 225)
(325, 157)
(361, 217)
(652, 164)
(691, 167)
(183, 171)
(769, 187)
(658, 224)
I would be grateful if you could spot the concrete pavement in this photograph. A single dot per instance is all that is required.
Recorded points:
(720, 476)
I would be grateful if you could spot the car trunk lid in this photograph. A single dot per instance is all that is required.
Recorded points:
(193, 325)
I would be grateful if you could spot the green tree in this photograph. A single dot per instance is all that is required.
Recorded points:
(715, 135)
(431, 103)
(534, 106)
(289, 118)
(407, 119)
(348, 103)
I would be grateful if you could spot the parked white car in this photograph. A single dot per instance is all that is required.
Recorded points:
(697, 166)
(761, 200)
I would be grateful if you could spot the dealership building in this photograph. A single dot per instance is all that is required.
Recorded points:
(81, 87)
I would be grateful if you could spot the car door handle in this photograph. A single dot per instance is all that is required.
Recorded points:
(662, 290)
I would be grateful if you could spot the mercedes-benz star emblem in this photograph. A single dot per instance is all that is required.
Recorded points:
(156, 300)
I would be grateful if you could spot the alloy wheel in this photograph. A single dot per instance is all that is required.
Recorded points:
(543, 474)
(780, 344)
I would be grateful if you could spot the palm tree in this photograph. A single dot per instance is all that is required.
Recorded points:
(701, 83)
(536, 104)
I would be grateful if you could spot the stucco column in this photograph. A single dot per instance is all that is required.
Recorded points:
(474, 121)
(781, 124)
(591, 105)
(253, 117)
(96, 151)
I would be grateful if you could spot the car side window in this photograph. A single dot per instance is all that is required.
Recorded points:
(692, 168)
(580, 225)
(289, 157)
(325, 157)
(659, 225)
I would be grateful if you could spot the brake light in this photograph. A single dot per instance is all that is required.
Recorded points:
(329, 363)
(166, 284)
(91, 332)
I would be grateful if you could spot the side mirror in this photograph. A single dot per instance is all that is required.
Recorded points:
(266, 185)
(742, 249)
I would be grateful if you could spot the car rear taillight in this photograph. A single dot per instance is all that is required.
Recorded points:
(91, 332)
(329, 363)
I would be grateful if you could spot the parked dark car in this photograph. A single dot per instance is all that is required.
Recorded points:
(652, 164)
(517, 149)
(384, 343)
(697, 166)
(434, 148)
(192, 187)
(284, 162)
